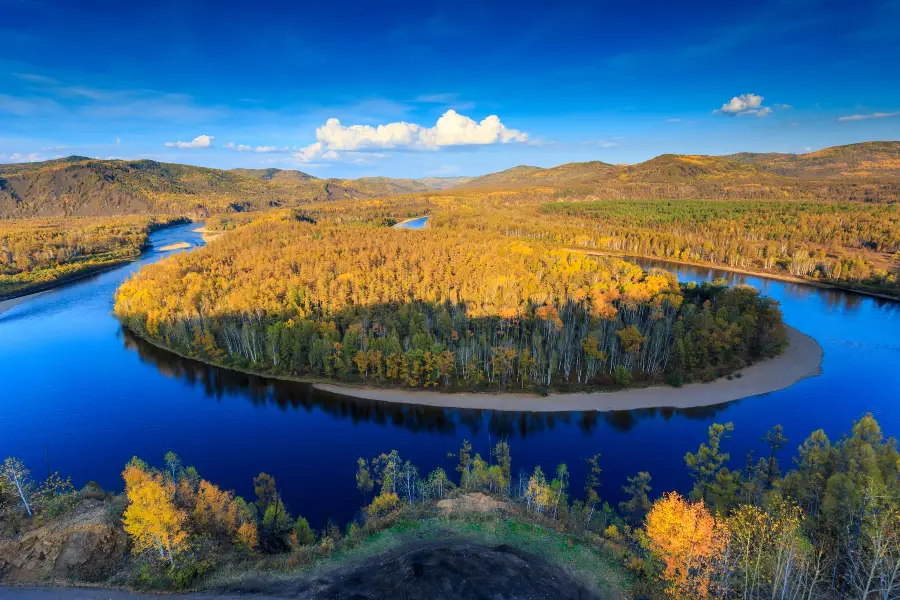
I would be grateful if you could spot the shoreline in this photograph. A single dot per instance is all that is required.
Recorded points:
(762, 274)
(9, 303)
(401, 224)
(801, 360)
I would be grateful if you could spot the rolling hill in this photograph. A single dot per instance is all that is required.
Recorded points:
(82, 186)
(79, 186)
(868, 159)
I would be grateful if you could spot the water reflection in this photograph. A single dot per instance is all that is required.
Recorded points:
(848, 302)
(217, 383)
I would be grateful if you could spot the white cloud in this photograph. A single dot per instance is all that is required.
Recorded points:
(604, 143)
(745, 104)
(451, 129)
(18, 157)
(878, 115)
(201, 141)
(673, 120)
(263, 149)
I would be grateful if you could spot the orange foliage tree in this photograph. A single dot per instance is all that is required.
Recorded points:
(691, 543)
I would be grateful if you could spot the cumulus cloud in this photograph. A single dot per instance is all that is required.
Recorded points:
(201, 141)
(878, 115)
(263, 149)
(745, 104)
(452, 129)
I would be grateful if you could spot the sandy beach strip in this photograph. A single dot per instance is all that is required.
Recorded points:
(5, 305)
(800, 360)
(175, 246)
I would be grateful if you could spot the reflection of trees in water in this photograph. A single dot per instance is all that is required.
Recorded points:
(217, 382)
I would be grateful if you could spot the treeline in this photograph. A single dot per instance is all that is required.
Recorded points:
(850, 244)
(449, 307)
(853, 245)
(825, 529)
(35, 253)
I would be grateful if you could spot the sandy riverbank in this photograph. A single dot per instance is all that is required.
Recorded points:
(5, 305)
(207, 234)
(801, 359)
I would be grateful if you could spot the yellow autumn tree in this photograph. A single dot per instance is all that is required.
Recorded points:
(152, 519)
(691, 544)
(219, 511)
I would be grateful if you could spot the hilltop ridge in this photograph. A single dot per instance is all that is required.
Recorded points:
(81, 186)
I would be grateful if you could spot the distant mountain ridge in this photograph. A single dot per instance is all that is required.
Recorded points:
(82, 186)
(78, 185)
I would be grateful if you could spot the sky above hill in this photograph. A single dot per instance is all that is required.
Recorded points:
(441, 89)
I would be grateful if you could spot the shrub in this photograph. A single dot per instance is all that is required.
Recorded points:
(622, 376)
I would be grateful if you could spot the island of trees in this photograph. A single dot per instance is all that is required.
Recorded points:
(445, 307)
(828, 528)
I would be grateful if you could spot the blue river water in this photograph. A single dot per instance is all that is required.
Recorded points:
(79, 394)
(413, 223)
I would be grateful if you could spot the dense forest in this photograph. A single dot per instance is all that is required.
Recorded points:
(828, 528)
(442, 307)
(856, 245)
(36, 253)
(852, 245)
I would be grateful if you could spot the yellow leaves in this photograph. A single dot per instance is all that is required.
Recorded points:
(152, 519)
(689, 541)
(383, 504)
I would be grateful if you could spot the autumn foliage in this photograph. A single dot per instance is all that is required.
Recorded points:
(443, 307)
(690, 542)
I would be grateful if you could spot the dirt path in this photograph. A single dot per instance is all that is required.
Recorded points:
(801, 359)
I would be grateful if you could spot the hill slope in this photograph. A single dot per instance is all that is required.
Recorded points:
(77, 185)
(869, 171)
(81, 186)
(867, 159)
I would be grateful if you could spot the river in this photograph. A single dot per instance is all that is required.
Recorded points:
(80, 394)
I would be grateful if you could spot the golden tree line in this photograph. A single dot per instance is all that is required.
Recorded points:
(443, 306)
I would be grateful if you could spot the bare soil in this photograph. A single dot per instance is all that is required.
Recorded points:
(449, 569)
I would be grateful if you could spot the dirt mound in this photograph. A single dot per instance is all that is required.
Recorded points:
(84, 544)
(475, 502)
(454, 569)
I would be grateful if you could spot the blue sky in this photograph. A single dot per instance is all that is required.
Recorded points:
(527, 83)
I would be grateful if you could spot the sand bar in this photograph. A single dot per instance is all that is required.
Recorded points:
(801, 359)
(175, 246)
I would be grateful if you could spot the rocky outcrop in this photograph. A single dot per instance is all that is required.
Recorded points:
(85, 545)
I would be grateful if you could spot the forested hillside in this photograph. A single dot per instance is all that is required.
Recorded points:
(77, 186)
(447, 307)
(867, 159)
(868, 172)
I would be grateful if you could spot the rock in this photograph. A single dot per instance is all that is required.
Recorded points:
(83, 545)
